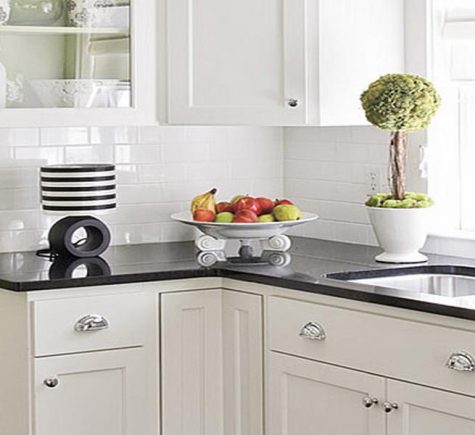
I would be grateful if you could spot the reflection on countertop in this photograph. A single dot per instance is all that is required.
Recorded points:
(303, 268)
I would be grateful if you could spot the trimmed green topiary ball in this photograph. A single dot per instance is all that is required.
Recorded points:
(400, 102)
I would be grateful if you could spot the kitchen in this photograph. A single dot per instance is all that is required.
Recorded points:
(346, 306)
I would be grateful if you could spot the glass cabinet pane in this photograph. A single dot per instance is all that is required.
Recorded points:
(65, 54)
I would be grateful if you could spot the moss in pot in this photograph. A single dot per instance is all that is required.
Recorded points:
(400, 103)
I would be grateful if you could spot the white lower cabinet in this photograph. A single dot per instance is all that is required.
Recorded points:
(426, 411)
(306, 397)
(211, 363)
(100, 393)
(190, 361)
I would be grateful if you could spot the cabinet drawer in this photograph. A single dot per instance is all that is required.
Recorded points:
(403, 349)
(67, 326)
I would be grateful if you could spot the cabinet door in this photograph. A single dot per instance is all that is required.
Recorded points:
(306, 397)
(84, 64)
(426, 411)
(237, 62)
(243, 366)
(101, 393)
(211, 363)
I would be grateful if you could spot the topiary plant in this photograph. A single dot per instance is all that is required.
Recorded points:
(400, 103)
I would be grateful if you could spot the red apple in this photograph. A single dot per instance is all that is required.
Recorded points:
(224, 207)
(204, 215)
(283, 202)
(245, 217)
(266, 204)
(248, 203)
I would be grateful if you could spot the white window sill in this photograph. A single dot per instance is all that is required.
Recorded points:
(454, 234)
(452, 243)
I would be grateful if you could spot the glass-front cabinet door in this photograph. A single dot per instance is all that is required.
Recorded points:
(77, 62)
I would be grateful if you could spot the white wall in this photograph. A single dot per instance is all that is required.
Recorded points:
(159, 170)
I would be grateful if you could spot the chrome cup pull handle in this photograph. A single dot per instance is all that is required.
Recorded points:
(313, 331)
(461, 362)
(91, 323)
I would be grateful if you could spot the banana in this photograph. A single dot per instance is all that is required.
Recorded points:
(205, 200)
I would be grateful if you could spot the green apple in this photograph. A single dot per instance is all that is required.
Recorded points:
(224, 217)
(266, 218)
(287, 212)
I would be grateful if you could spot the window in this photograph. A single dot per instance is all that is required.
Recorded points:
(451, 138)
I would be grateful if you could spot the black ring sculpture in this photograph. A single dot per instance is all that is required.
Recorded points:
(97, 238)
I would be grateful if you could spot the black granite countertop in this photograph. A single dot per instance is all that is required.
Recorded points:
(304, 268)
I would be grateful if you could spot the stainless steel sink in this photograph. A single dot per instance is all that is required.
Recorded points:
(446, 281)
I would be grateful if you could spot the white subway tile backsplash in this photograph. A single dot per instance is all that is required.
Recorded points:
(65, 136)
(312, 151)
(19, 136)
(42, 155)
(89, 154)
(16, 177)
(326, 172)
(208, 170)
(137, 153)
(159, 170)
(155, 135)
(179, 152)
(161, 173)
(113, 135)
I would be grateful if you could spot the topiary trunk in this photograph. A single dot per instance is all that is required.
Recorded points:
(398, 160)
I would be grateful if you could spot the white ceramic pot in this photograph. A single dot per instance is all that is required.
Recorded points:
(401, 232)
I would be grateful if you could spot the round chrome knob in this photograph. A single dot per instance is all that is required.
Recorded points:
(461, 362)
(51, 383)
(293, 102)
(390, 407)
(369, 402)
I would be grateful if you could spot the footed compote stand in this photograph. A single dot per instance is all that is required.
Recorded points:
(270, 235)
(276, 243)
(245, 258)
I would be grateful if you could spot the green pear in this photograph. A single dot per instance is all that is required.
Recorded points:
(266, 218)
(287, 212)
(224, 217)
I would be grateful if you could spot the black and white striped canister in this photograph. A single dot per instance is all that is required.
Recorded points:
(78, 189)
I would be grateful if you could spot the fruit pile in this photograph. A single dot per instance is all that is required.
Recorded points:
(242, 209)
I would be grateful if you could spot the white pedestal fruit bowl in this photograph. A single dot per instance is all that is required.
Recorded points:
(270, 234)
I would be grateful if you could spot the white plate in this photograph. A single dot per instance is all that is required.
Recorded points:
(259, 230)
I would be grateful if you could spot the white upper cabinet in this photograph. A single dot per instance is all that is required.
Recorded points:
(278, 62)
(78, 63)
(237, 62)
